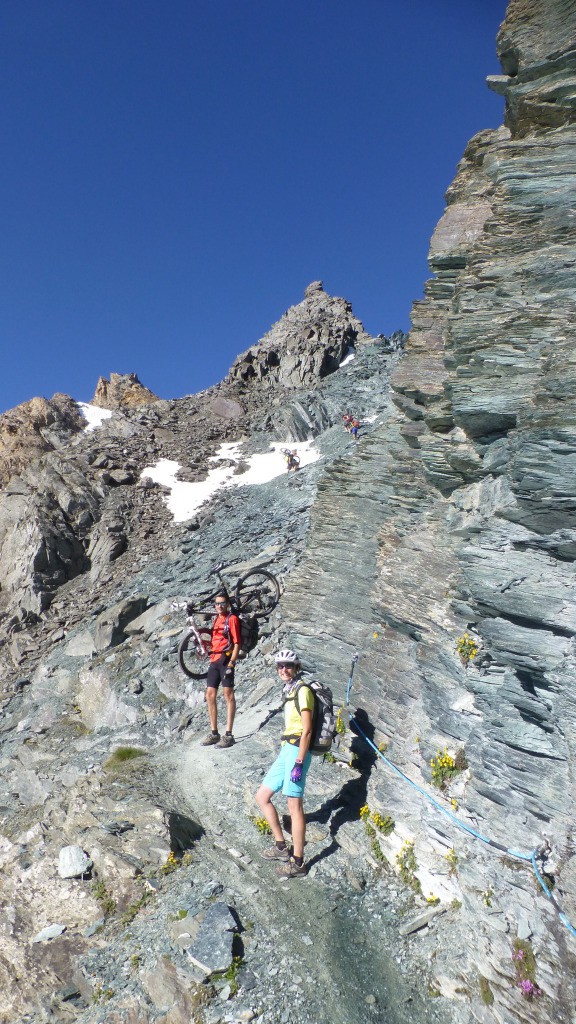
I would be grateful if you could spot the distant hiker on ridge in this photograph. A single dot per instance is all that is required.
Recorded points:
(292, 460)
(225, 647)
(351, 424)
(288, 773)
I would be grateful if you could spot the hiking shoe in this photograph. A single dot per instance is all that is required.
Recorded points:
(226, 741)
(273, 853)
(210, 739)
(291, 869)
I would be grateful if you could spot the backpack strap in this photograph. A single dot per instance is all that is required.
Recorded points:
(297, 702)
(226, 632)
(294, 740)
(294, 695)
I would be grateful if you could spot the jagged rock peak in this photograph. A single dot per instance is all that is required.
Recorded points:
(33, 428)
(308, 342)
(123, 390)
(314, 286)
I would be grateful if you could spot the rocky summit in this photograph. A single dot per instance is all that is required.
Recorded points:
(439, 547)
(123, 390)
(308, 343)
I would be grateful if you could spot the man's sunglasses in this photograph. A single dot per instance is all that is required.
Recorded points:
(220, 604)
(285, 664)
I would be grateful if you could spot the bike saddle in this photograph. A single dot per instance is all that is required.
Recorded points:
(216, 568)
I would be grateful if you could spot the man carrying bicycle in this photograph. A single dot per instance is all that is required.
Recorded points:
(292, 459)
(225, 646)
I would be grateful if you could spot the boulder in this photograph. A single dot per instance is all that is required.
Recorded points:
(51, 931)
(109, 627)
(212, 949)
(73, 862)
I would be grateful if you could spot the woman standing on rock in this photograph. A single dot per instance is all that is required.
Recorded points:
(288, 773)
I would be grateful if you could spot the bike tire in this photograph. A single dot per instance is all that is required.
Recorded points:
(192, 661)
(257, 593)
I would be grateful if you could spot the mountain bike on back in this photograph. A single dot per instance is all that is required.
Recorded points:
(255, 596)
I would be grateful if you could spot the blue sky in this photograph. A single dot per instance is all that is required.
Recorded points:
(175, 172)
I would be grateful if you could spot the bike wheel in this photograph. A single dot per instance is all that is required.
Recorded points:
(257, 593)
(192, 660)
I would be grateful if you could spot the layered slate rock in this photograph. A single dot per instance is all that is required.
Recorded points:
(488, 390)
(453, 513)
(212, 950)
(469, 497)
(67, 513)
(306, 344)
(536, 49)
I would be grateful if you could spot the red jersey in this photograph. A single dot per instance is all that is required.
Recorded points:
(223, 639)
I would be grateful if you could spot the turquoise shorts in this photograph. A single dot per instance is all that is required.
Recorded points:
(278, 776)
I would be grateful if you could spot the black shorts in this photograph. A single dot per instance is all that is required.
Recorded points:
(217, 673)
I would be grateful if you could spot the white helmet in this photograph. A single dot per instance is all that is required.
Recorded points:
(288, 656)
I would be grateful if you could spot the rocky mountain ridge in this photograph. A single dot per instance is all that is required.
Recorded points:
(96, 670)
(446, 531)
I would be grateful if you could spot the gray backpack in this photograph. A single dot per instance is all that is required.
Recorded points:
(323, 717)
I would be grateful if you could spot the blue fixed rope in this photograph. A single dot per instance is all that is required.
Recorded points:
(529, 857)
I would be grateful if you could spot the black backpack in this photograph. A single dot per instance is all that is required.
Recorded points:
(248, 632)
(323, 717)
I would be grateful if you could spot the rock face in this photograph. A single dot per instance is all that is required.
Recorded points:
(449, 527)
(33, 428)
(45, 518)
(308, 342)
(123, 390)
(535, 45)
(469, 497)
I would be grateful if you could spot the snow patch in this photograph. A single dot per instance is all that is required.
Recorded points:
(350, 355)
(93, 414)
(185, 499)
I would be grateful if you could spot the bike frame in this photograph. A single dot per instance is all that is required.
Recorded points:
(256, 593)
(217, 571)
(223, 588)
(193, 628)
